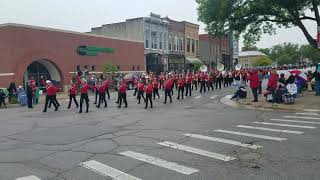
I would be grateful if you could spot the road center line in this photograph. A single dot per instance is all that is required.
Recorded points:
(226, 141)
(160, 162)
(285, 125)
(251, 135)
(295, 121)
(269, 129)
(197, 151)
(301, 117)
(105, 170)
(31, 177)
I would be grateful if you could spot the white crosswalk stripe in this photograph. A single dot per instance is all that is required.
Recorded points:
(251, 135)
(31, 177)
(197, 151)
(269, 129)
(105, 170)
(295, 121)
(160, 162)
(197, 97)
(226, 141)
(309, 114)
(300, 117)
(285, 125)
(214, 97)
(312, 110)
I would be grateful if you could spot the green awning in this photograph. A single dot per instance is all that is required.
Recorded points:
(191, 60)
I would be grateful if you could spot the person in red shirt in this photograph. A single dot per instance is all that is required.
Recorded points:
(168, 88)
(219, 79)
(84, 87)
(181, 84)
(155, 85)
(135, 85)
(122, 88)
(149, 90)
(254, 84)
(195, 82)
(102, 93)
(188, 84)
(141, 91)
(50, 93)
(210, 81)
(108, 82)
(96, 90)
(203, 78)
(72, 94)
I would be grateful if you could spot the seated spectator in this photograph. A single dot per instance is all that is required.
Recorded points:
(22, 97)
(281, 90)
(282, 79)
(2, 98)
(292, 89)
(241, 93)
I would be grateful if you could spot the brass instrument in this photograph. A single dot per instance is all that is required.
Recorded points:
(220, 67)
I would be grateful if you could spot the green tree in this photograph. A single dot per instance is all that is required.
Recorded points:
(284, 59)
(266, 51)
(197, 65)
(291, 51)
(310, 53)
(262, 61)
(255, 17)
(247, 47)
(109, 69)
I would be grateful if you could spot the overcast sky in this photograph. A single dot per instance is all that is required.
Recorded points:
(81, 15)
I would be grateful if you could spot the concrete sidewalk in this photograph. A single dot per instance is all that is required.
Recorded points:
(307, 100)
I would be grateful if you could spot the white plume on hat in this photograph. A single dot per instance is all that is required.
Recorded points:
(83, 80)
(48, 81)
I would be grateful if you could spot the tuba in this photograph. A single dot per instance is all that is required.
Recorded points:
(203, 68)
(238, 67)
(220, 67)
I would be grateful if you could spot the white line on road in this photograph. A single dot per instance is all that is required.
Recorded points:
(310, 114)
(197, 97)
(251, 135)
(300, 117)
(269, 129)
(286, 125)
(214, 96)
(294, 121)
(31, 177)
(312, 110)
(160, 162)
(223, 141)
(107, 171)
(197, 151)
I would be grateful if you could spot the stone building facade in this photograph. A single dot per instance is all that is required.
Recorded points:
(152, 31)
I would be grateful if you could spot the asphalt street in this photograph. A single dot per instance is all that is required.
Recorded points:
(195, 138)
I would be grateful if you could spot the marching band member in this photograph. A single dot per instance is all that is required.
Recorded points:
(181, 84)
(108, 82)
(155, 89)
(210, 80)
(141, 91)
(188, 84)
(225, 79)
(135, 85)
(102, 93)
(84, 86)
(72, 94)
(50, 93)
(219, 79)
(96, 90)
(168, 88)
(203, 78)
(122, 89)
(195, 82)
(149, 90)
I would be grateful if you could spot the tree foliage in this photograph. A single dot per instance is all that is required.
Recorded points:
(109, 68)
(310, 53)
(255, 17)
(262, 61)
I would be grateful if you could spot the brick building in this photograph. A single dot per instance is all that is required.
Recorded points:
(56, 54)
(214, 50)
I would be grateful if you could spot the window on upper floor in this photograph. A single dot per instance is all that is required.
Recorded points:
(176, 43)
(188, 45)
(146, 37)
(197, 46)
(153, 40)
(170, 43)
(193, 45)
(161, 41)
(181, 45)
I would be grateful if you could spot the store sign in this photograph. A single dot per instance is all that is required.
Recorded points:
(92, 50)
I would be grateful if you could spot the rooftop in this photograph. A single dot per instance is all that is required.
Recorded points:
(251, 53)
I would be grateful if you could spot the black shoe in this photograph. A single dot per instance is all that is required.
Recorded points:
(87, 111)
(254, 101)
(126, 107)
(68, 107)
(80, 112)
(77, 106)
(98, 106)
(94, 103)
(119, 106)
(151, 107)
(44, 111)
(56, 109)
(117, 102)
(105, 106)
(146, 107)
(165, 103)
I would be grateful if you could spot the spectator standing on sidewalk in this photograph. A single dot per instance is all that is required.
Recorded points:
(273, 82)
(317, 78)
(254, 84)
(2, 99)
(261, 76)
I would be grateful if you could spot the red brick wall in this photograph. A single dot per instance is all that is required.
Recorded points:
(20, 46)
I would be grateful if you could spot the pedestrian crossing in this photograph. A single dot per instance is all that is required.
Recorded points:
(106, 170)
